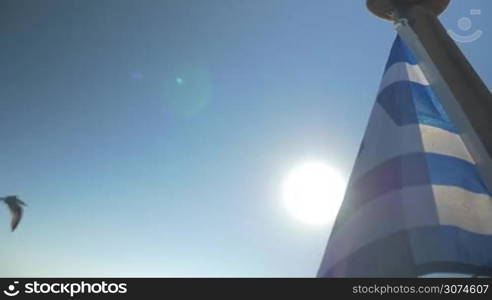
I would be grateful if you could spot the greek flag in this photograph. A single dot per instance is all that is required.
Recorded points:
(415, 203)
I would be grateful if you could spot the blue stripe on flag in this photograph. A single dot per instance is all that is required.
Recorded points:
(412, 103)
(418, 251)
(450, 243)
(400, 53)
(409, 170)
(412, 170)
(452, 171)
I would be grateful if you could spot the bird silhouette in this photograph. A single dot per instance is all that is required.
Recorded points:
(15, 207)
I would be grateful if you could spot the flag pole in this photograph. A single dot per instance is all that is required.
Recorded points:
(464, 95)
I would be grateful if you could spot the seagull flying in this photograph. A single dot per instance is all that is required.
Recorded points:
(15, 207)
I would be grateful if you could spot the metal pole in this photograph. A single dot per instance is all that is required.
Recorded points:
(465, 97)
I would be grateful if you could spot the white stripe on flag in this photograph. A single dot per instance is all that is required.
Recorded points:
(464, 209)
(403, 71)
(437, 140)
(385, 140)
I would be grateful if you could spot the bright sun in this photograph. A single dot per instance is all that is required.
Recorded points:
(313, 193)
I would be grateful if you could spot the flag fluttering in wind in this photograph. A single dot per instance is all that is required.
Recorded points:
(416, 203)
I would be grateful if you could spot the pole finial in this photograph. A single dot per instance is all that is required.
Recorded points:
(385, 9)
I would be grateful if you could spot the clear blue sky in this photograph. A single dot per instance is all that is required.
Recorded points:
(151, 138)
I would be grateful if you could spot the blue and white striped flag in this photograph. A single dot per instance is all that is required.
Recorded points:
(415, 203)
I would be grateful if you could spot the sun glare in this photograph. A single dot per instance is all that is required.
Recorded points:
(313, 193)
